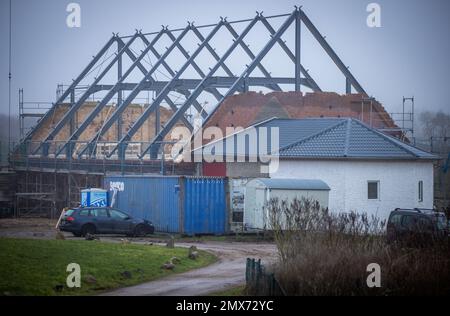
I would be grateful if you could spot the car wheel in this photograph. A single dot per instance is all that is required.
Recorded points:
(88, 229)
(140, 231)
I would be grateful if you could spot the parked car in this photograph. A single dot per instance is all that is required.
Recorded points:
(417, 227)
(103, 220)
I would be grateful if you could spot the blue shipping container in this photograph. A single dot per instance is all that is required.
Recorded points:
(173, 204)
(152, 198)
(205, 209)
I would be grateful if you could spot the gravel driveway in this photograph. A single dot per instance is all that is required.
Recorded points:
(228, 272)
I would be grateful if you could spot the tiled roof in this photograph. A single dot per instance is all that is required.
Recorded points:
(246, 109)
(348, 138)
(329, 138)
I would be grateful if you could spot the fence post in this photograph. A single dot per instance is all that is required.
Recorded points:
(247, 268)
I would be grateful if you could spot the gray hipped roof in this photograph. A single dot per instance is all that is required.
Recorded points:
(325, 138)
(351, 138)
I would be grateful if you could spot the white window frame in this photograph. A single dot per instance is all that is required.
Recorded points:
(420, 191)
(378, 190)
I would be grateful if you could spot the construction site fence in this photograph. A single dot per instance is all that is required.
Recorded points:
(260, 281)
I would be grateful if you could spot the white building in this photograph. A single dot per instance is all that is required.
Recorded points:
(366, 170)
(375, 187)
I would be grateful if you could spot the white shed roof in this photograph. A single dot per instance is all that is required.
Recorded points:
(294, 184)
(94, 190)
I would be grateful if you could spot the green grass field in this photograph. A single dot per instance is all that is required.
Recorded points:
(38, 267)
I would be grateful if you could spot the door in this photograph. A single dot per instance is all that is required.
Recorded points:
(408, 228)
(101, 220)
(121, 222)
(424, 230)
(260, 200)
(393, 228)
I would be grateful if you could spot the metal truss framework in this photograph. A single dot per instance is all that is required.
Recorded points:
(190, 88)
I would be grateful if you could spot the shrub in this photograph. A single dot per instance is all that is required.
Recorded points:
(324, 253)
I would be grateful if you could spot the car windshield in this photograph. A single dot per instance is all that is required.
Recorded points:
(118, 214)
(441, 222)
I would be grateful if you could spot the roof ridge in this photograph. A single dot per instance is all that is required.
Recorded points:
(323, 131)
(389, 139)
(224, 137)
(264, 121)
(347, 137)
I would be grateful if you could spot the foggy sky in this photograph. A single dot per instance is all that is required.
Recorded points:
(407, 56)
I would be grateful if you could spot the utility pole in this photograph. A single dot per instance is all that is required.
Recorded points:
(9, 81)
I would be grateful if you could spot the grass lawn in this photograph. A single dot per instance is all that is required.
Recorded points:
(38, 267)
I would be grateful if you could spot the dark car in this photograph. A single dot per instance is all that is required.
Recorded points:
(417, 227)
(103, 220)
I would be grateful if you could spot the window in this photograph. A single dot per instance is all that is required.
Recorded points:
(238, 217)
(118, 215)
(84, 213)
(409, 222)
(373, 189)
(99, 212)
(420, 191)
(442, 222)
(69, 212)
(424, 224)
(396, 219)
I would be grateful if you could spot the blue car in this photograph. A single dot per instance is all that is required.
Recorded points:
(103, 220)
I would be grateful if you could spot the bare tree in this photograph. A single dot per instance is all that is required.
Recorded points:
(435, 128)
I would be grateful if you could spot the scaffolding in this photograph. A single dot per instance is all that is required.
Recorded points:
(43, 193)
(30, 113)
(51, 172)
(398, 124)
(405, 120)
(219, 81)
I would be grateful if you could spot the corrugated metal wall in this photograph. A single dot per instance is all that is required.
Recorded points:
(153, 198)
(205, 207)
(173, 204)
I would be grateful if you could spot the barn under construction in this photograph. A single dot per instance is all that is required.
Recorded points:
(118, 113)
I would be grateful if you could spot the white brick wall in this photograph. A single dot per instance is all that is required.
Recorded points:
(348, 182)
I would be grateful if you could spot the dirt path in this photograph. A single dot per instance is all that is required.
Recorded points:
(228, 272)
(35, 228)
